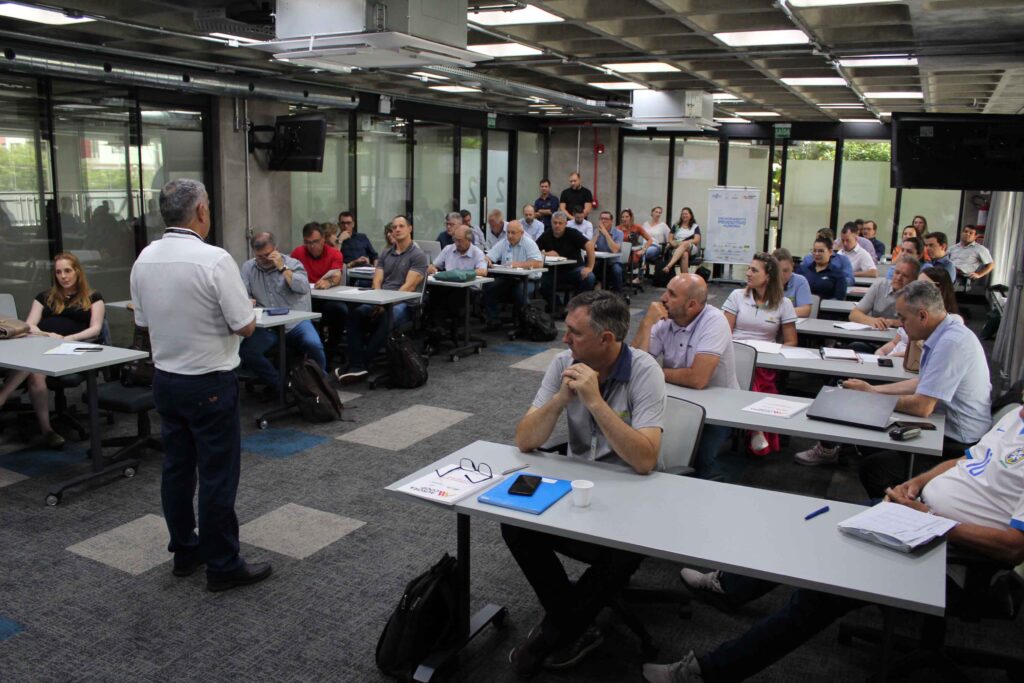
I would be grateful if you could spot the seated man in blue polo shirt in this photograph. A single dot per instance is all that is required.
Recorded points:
(613, 398)
(517, 250)
(936, 244)
(981, 491)
(356, 248)
(275, 280)
(608, 238)
(694, 342)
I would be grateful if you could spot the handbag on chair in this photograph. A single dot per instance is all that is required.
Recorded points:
(12, 328)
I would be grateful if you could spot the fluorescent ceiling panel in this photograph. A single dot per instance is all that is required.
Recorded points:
(848, 105)
(895, 95)
(618, 85)
(504, 50)
(429, 76)
(746, 114)
(527, 15)
(725, 97)
(454, 88)
(730, 119)
(752, 38)
(39, 15)
(235, 39)
(860, 120)
(823, 81)
(640, 67)
(834, 3)
(865, 62)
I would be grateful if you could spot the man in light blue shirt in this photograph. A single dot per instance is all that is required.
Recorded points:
(515, 251)
(579, 222)
(796, 287)
(462, 254)
(609, 240)
(531, 224)
(936, 244)
(495, 230)
(954, 380)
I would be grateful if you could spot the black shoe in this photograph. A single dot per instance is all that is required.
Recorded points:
(573, 653)
(528, 658)
(245, 575)
(187, 567)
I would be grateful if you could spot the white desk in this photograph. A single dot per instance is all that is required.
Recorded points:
(744, 530)
(838, 307)
(868, 281)
(522, 274)
(605, 257)
(554, 265)
(856, 292)
(836, 368)
(725, 407)
(827, 328)
(263, 322)
(28, 353)
(359, 295)
(469, 345)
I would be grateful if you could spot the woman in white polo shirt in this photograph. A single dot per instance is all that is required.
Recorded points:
(760, 311)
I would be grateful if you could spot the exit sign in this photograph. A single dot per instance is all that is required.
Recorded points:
(783, 130)
(492, 120)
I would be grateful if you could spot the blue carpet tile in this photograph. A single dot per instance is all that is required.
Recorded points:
(514, 349)
(35, 463)
(9, 628)
(281, 443)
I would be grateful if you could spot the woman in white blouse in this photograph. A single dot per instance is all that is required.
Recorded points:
(657, 229)
(685, 240)
(761, 311)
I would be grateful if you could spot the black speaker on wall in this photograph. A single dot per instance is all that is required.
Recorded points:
(298, 143)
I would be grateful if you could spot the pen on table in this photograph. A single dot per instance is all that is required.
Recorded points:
(87, 348)
(817, 512)
(514, 469)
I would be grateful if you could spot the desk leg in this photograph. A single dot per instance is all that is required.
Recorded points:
(126, 466)
(469, 345)
(263, 421)
(554, 291)
(470, 626)
(385, 375)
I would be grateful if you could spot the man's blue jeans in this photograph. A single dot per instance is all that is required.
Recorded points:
(302, 339)
(614, 276)
(503, 289)
(705, 460)
(361, 349)
(565, 276)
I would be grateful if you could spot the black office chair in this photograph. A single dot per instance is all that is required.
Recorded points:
(116, 398)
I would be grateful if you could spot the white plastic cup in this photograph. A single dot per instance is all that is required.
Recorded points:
(581, 490)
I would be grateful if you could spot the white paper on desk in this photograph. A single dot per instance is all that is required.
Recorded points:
(762, 346)
(554, 259)
(776, 407)
(799, 353)
(830, 353)
(852, 326)
(896, 526)
(355, 291)
(258, 311)
(449, 484)
(868, 358)
(67, 349)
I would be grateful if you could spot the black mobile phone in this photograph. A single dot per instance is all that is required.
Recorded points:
(524, 485)
(885, 362)
(904, 433)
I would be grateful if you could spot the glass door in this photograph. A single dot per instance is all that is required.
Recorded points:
(808, 172)
(497, 173)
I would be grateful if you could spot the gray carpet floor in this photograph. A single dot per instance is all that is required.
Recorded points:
(90, 614)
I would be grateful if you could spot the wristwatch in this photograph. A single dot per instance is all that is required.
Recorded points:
(282, 269)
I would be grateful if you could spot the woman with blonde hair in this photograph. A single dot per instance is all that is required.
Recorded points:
(69, 310)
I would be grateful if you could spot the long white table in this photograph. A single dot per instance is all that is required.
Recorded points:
(827, 328)
(870, 372)
(29, 354)
(725, 407)
(835, 306)
(469, 344)
(749, 531)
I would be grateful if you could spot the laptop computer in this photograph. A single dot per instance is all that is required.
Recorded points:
(854, 408)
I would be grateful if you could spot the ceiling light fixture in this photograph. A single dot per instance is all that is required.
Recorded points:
(429, 76)
(641, 67)
(504, 50)
(839, 105)
(895, 95)
(835, 3)
(865, 62)
(725, 97)
(454, 88)
(237, 40)
(618, 85)
(730, 119)
(745, 114)
(860, 120)
(526, 15)
(752, 38)
(39, 15)
(823, 81)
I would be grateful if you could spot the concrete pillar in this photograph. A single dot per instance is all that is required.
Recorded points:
(562, 160)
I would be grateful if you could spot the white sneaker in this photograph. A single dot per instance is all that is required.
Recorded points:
(757, 442)
(701, 582)
(819, 455)
(686, 670)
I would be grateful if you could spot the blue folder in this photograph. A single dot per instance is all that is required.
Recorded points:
(546, 495)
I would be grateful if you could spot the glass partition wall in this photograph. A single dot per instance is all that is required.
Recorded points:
(807, 192)
(694, 171)
(529, 170)
(864, 190)
(433, 177)
(320, 197)
(645, 164)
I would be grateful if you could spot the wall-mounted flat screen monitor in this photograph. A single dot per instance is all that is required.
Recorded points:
(298, 143)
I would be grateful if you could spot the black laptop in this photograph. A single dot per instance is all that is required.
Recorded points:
(854, 408)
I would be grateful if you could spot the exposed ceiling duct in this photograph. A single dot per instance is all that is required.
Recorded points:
(37, 63)
(673, 110)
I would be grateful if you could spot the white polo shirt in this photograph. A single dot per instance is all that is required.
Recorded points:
(190, 295)
(859, 259)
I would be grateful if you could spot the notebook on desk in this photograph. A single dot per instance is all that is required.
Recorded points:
(547, 494)
(854, 408)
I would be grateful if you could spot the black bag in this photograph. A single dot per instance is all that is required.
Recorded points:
(425, 620)
(536, 325)
(661, 278)
(139, 373)
(316, 400)
(704, 273)
(408, 367)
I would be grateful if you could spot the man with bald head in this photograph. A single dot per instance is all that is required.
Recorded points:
(517, 250)
(694, 343)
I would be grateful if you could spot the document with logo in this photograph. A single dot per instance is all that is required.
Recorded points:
(450, 484)
(896, 526)
(776, 407)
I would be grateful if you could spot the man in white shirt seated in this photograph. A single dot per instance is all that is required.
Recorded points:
(533, 226)
(694, 343)
(579, 222)
(982, 491)
(863, 263)
(972, 260)
(495, 231)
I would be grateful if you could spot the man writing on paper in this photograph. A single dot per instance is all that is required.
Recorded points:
(614, 400)
(981, 491)
(694, 342)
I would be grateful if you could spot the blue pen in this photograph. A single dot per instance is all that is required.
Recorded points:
(816, 513)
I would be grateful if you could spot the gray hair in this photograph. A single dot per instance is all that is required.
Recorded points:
(560, 214)
(911, 261)
(464, 232)
(608, 311)
(179, 199)
(262, 239)
(921, 295)
(453, 216)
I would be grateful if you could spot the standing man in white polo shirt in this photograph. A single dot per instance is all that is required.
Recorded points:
(190, 296)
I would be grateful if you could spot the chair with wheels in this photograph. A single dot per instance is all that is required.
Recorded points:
(132, 400)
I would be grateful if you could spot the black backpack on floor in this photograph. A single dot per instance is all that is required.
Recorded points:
(536, 325)
(316, 400)
(408, 368)
(425, 620)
